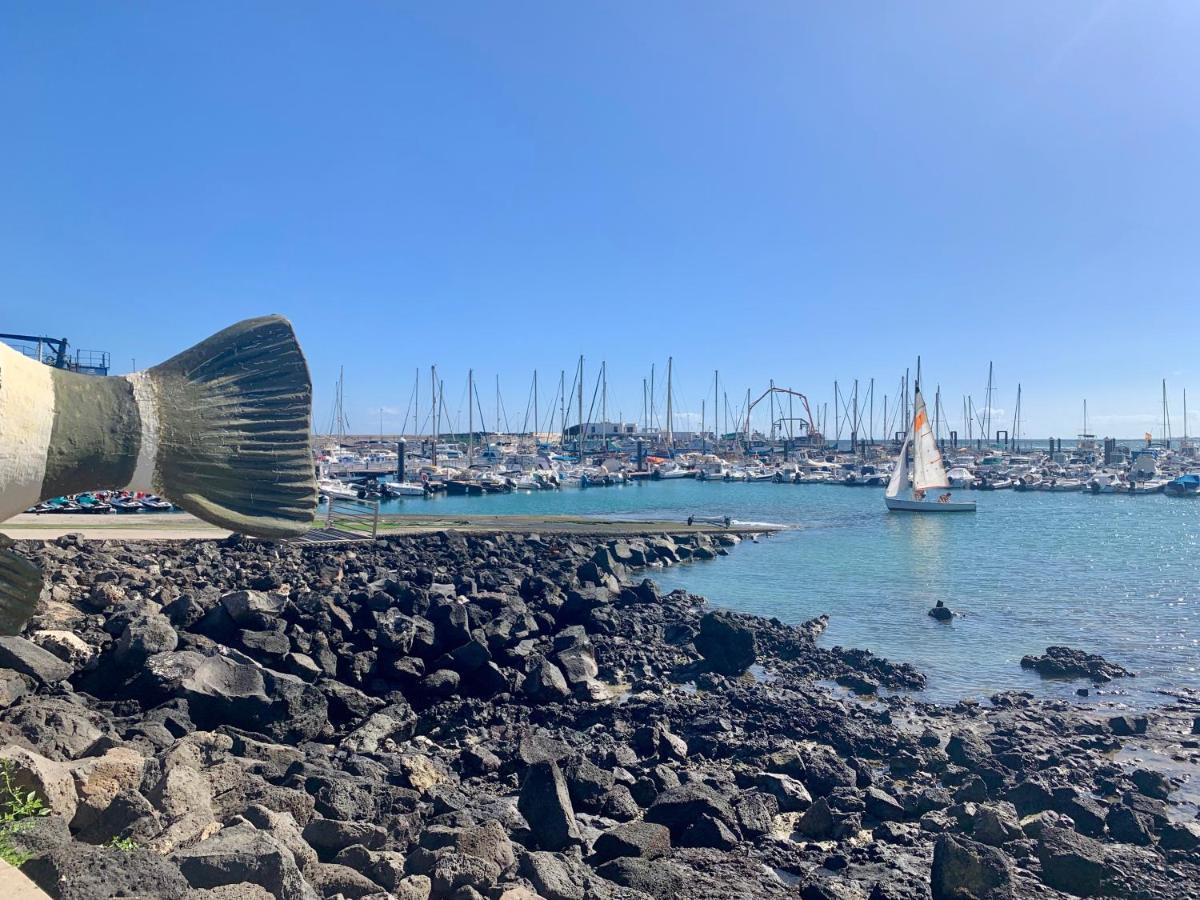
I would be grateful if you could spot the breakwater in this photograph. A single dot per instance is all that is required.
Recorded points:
(517, 716)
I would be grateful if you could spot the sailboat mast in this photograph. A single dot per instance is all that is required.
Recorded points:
(716, 411)
(604, 401)
(670, 421)
(470, 414)
(433, 415)
(1166, 417)
(536, 413)
(581, 409)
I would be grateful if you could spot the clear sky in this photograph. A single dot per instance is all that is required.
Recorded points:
(789, 190)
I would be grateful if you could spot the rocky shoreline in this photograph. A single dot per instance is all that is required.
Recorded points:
(523, 716)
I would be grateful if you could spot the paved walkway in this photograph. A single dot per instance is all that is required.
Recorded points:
(15, 886)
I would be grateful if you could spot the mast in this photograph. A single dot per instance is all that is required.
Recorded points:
(716, 412)
(748, 420)
(1185, 435)
(652, 404)
(670, 422)
(987, 408)
(536, 422)
(433, 414)
(562, 405)
(1166, 417)
(604, 401)
(581, 409)
(854, 427)
(470, 414)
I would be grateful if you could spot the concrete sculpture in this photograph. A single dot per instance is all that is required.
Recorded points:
(222, 430)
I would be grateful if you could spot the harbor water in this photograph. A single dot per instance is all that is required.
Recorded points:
(1110, 574)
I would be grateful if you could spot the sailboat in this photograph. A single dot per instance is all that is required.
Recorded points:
(926, 470)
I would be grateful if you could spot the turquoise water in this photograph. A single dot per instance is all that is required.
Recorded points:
(1116, 575)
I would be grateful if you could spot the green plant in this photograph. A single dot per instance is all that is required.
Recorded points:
(17, 807)
(16, 804)
(123, 843)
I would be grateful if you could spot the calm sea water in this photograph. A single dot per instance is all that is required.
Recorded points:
(1116, 575)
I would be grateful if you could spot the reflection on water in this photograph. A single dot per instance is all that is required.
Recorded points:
(1116, 575)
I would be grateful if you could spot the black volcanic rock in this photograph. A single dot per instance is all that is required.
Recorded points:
(727, 645)
(1063, 662)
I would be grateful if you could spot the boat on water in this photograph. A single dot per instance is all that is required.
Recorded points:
(913, 479)
(404, 488)
(337, 490)
(1184, 486)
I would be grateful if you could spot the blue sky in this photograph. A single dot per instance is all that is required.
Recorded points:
(784, 190)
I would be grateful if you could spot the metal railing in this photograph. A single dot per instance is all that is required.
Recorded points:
(352, 518)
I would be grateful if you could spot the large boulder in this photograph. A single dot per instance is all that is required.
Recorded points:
(964, 868)
(1064, 662)
(241, 853)
(546, 805)
(28, 658)
(223, 690)
(645, 840)
(78, 871)
(728, 647)
(51, 781)
(1073, 863)
(682, 807)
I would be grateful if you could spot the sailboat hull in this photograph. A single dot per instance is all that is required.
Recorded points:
(898, 504)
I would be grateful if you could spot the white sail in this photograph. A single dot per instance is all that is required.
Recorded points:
(928, 469)
(899, 479)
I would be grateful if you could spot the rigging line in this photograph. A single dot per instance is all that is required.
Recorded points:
(502, 410)
(595, 394)
(479, 407)
(528, 402)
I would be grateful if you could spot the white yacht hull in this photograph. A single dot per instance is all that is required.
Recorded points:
(899, 504)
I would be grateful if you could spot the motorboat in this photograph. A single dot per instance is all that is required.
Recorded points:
(1184, 486)
(404, 488)
(337, 490)
(960, 477)
(1105, 482)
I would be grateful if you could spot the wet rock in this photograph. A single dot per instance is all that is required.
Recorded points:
(1063, 662)
(546, 805)
(963, 868)
(941, 612)
(28, 658)
(728, 647)
(1152, 784)
(1184, 836)
(1128, 726)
